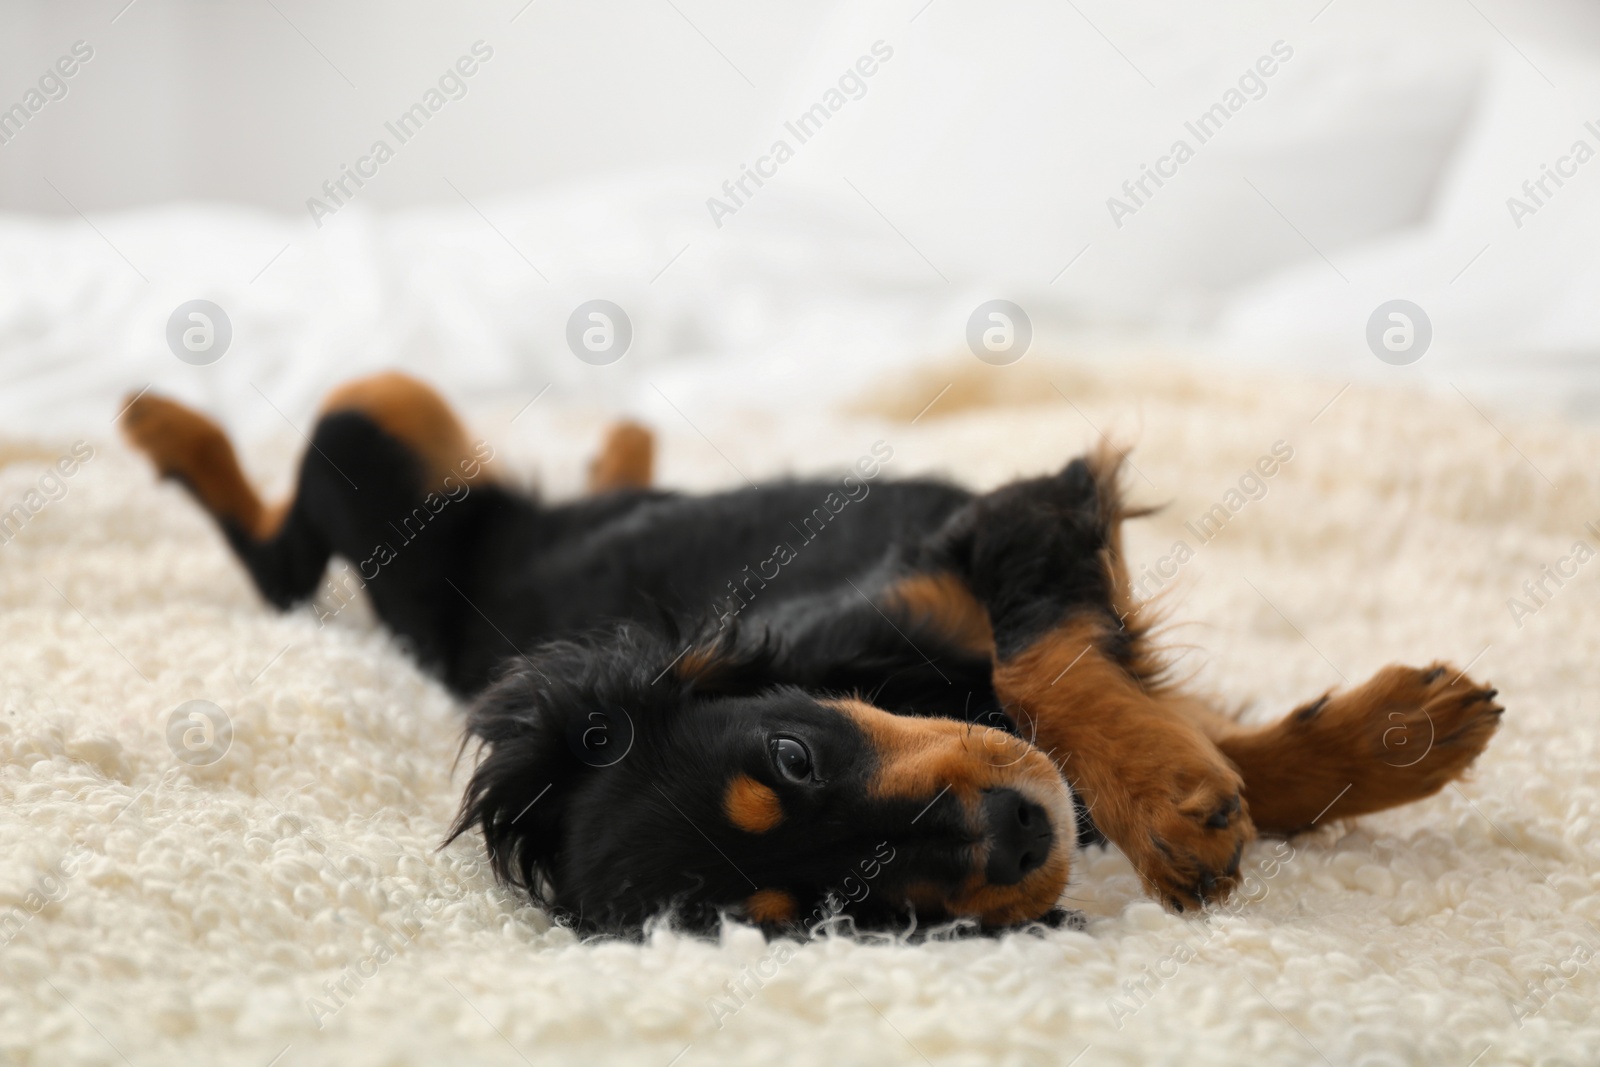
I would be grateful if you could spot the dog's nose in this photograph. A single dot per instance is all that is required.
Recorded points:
(1020, 836)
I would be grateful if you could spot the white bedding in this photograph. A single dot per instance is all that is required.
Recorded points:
(207, 910)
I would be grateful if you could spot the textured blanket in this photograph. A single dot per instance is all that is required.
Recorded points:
(220, 826)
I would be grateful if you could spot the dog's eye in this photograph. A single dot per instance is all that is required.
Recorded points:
(792, 758)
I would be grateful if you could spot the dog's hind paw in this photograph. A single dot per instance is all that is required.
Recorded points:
(186, 446)
(1435, 722)
(1402, 736)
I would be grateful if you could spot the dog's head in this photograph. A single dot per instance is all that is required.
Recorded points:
(617, 782)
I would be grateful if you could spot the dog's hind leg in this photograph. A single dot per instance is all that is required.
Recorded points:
(626, 459)
(1400, 737)
(384, 484)
(284, 554)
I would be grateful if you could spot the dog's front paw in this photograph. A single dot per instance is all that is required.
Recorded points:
(1187, 831)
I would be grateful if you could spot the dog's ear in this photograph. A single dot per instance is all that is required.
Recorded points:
(547, 724)
(575, 710)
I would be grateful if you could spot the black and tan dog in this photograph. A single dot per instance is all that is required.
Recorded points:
(864, 717)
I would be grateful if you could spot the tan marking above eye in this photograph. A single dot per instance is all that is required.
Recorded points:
(770, 906)
(751, 806)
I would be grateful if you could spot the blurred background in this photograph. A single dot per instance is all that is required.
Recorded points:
(1355, 152)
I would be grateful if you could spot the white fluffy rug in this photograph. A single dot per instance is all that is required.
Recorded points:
(153, 913)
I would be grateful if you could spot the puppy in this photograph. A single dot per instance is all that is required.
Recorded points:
(818, 697)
